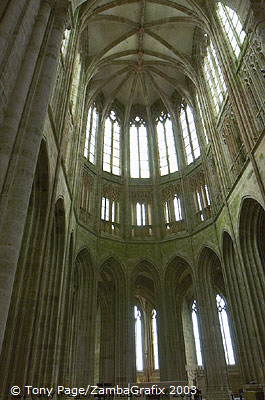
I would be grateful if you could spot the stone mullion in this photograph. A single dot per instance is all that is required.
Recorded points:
(99, 174)
(148, 343)
(125, 143)
(15, 215)
(213, 353)
(154, 171)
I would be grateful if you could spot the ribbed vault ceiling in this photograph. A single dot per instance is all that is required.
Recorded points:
(141, 50)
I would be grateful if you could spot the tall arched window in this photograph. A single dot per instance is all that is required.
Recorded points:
(225, 329)
(191, 143)
(111, 148)
(214, 77)
(232, 27)
(155, 340)
(196, 333)
(168, 162)
(138, 339)
(139, 156)
(91, 132)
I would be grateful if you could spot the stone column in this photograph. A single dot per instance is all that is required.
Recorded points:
(171, 340)
(11, 11)
(16, 105)
(14, 216)
(213, 354)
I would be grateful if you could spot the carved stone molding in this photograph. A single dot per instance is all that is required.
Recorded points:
(111, 192)
(142, 196)
(169, 192)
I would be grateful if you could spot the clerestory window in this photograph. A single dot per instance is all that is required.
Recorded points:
(190, 138)
(139, 154)
(91, 133)
(214, 78)
(232, 27)
(111, 148)
(168, 162)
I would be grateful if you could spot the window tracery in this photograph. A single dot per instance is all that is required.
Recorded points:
(85, 197)
(91, 133)
(201, 196)
(168, 162)
(225, 329)
(138, 339)
(232, 27)
(111, 146)
(253, 63)
(202, 120)
(139, 153)
(171, 197)
(146, 339)
(214, 78)
(190, 138)
(196, 333)
(110, 210)
(141, 214)
(155, 339)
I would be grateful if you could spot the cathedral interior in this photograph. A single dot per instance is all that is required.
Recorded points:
(132, 195)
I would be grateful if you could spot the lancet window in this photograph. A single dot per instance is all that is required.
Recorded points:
(111, 147)
(168, 162)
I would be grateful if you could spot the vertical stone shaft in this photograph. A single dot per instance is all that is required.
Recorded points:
(17, 102)
(18, 196)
